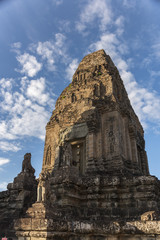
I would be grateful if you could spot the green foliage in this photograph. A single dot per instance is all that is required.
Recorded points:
(99, 73)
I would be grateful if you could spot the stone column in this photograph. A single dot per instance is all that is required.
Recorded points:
(90, 162)
(91, 145)
(39, 193)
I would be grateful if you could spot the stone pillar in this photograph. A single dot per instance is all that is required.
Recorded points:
(39, 193)
(91, 156)
(91, 145)
(43, 193)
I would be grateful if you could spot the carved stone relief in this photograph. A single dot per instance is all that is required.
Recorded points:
(48, 156)
(42, 186)
(110, 137)
(66, 159)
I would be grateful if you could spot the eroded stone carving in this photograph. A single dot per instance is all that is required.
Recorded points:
(48, 156)
(42, 189)
(66, 156)
(26, 164)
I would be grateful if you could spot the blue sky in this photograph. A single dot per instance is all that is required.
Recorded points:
(41, 44)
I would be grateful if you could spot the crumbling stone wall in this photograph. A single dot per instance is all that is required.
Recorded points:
(19, 196)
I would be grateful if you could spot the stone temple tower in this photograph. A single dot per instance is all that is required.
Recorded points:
(95, 182)
(94, 120)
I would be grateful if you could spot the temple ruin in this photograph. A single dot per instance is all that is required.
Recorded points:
(95, 182)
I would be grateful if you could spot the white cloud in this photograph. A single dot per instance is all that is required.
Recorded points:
(4, 131)
(8, 146)
(95, 9)
(145, 102)
(26, 112)
(45, 50)
(29, 63)
(31, 122)
(109, 42)
(72, 68)
(60, 40)
(17, 45)
(6, 83)
(4, 161)
(52, 50)
(3, 186)
(119, 23)
(36, 91)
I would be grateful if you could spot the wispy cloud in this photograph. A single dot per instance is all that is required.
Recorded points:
(26, 110)
(156, 49)
(51, 51)
(145, 102)
(4, 161)
(15, 47)
(8, 146)
(112, 45)
(36, 91)
(155, 73)
(29, 63)
(93, 10)
(72, 68)
(55, 51)
(57, 2)
(64, 26)
(119, 23)
(129, 3)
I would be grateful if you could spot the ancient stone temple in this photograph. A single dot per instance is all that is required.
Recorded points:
(95, 182)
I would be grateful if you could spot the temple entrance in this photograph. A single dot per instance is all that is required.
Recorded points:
(78, 155)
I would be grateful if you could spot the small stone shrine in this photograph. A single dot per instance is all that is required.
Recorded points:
(95, 182)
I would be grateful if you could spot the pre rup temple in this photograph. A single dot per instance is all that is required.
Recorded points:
(95, 182)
